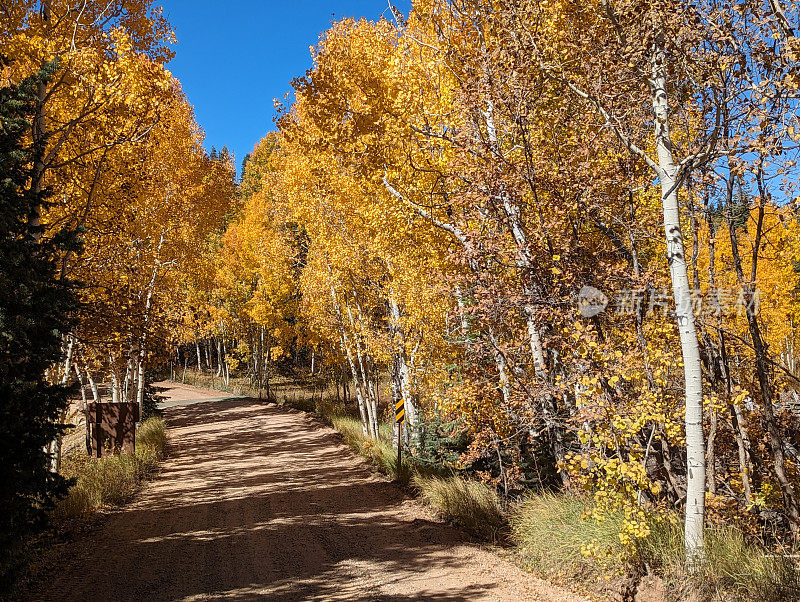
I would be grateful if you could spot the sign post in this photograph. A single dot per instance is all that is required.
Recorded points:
(399, 418)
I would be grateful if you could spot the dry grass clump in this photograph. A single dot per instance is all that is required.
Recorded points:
(471, 504)
(557, 542)
(112, 480)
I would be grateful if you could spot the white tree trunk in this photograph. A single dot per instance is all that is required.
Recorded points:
(695, 447)
(363, 378)
(96, 398)
(502, 369)
(130, 374)
(365, 424)
(114, 381)
(54, 447)
(524, 257)
(362, 406)
(401, 365)
(68, 360)
(226, 365)
(140, 385)
(84, 405)
(462, 314)
(93, 387)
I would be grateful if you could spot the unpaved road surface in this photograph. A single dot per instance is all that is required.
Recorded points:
(259, 502)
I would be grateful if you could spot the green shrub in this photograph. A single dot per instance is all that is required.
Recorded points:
(442, 443)
(473, 505)
(151, 401)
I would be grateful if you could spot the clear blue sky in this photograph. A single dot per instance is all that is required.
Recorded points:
(233, 57)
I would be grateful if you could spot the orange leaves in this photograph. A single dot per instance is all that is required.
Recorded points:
(125, 163)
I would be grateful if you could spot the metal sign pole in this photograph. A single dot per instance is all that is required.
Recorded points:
(399, 445)
(399, 418)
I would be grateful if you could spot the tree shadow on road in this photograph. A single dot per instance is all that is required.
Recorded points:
(255, 504)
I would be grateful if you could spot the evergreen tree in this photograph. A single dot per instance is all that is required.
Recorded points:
(34, 305)
(244, 165)
(739, 209)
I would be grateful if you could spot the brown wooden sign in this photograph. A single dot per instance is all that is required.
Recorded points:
(112, 427)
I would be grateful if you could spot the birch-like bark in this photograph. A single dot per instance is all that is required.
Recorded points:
(368, 374)
(362, 408)
(54, 448)
(93, 386)
(68, 359)
(345, 343)
(462, 314)
(128, 371)
(524, 257)
(268, 368)
(525, 263)
(692, 369)
(114, 387)
(227, 365)
(142, 355)
(401, 373)
(84, 407)
(363, 383)
(502, 369)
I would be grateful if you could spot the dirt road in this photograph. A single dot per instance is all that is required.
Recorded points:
(259, 502)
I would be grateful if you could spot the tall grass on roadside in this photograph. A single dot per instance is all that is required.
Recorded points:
(112, 480)
(381, 453)
(152, 434)
(471, 504)
(732, 564)
(558, 543)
